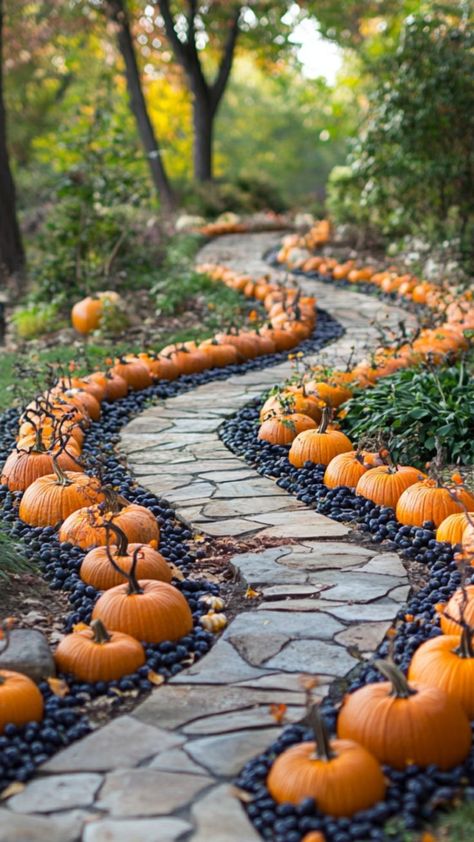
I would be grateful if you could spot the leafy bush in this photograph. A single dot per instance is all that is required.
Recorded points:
(36, 319)
(405, 163)
(241, 196)
(416, 408)
(11, 559)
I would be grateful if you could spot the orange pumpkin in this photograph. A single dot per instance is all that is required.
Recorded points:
(345, 470)
(460, 605)
(385, 485)
(342, 776)
(23, 467)
(85, 527)
(282, 429)
(402, 723)
(96, 569)
(447, 662)
(54, 497)
(452, 528)
(94, 654)
(319, 446)
(429, 501)
(133, 371)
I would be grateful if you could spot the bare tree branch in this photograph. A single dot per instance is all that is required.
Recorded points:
(225, 66)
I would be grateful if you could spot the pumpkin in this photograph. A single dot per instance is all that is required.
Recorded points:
(85, 527)
(318, 446)
(401, 723)
(384, 485)
(342, 776)
(86, 314)
(94, 654)
(429, 501)
(146, 609)
(20, 700)
(447, 662)
(134, 372)
(97, 571)
(87, 403)
(23, 467)
(282, 429)
(345, 470)
(459, 608)
(332, 395)
(289, 401)
(97, 390)
(53, 497)
(115, 386)
(219, 354)
(452, 528)
(314, 836)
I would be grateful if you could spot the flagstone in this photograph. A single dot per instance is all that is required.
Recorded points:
(225, 754)
(148, 792)
(219, 812)
(136, 830)
(314, 656)
(56, 792)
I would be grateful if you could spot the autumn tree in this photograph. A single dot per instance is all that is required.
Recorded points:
(11, 249)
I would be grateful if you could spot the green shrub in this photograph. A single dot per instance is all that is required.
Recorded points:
(415, 409)
(11, 558)
(36, 319)
(244, 195)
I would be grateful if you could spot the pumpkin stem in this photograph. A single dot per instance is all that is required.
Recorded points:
(99, 632)
(61, 478)
(133, 584)
(400, 687)
(465, 648)
(113, 502)
(122, 540)
(325, 419)
(321, 735)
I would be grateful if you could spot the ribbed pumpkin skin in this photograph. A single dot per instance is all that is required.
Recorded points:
(452, 528)
(435, 662)
(219, 354)
(384, 486)
(96, 569)
(332, 395)
(83, 528)
(282, 429)
(20, 699)
(46, 502)
(425, 501)
(291, 402)
(350, 782)
(85, 315)
(87, 660)
(453, 608)
(428, 727)
(134, 372)
(319, 448)
(159, 613)
(22, 468)
(344, 470)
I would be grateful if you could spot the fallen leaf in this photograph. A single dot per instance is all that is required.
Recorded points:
(278, 711)
(155, 678)
(58, 687)
(241, 794)
(251, 593)
(176, 572)
(12, 789)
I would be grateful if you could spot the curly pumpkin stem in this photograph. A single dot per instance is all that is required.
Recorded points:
(122, 540)
(113, 502)
(325, 419)
(133, 583)
(400, 687)
(99, 632)
(321, 735)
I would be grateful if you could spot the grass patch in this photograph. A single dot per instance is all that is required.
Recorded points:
(11, 558)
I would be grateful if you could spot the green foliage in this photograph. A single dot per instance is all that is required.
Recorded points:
(245, 195)
(36, 319)
(405, 164)
(11, 559)
(416, 408)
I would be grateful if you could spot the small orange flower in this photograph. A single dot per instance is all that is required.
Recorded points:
(457, 478)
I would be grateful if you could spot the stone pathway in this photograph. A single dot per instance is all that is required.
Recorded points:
(162, 773)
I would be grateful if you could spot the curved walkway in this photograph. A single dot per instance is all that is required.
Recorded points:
(162, 773)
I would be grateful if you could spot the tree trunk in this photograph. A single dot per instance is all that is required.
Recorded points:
(203, 123)
(117, 13)
(11, 250)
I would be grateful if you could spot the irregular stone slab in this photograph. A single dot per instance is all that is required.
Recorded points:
(226, 754)
(56, 792)
(176, 760)
(124, 742)
(29, 653)
(227, 476)
(264, 568)
(382, 609)
(244, 506)
(367, 636)
(400, 594)
(219, 811)
(148, 792)
(263, 622)
(136, 830)
(356, 586)
(255, 649)
(22, 828)
(193, 491)
(385, 563)
(235, 526)
(317, 528)
(328, 555)
(222, 665)
(198, 423)
(288, 591)
(257, 717)
(295, 605)
(313, 656)
(174, 706)
(281, 681)
(257, 487)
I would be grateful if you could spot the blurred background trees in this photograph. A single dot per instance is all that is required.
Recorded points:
(118, 110)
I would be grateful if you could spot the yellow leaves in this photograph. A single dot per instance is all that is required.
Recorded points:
(12, 789)
(155, 678)
(58, 686)
(251, 593)
(198, 538)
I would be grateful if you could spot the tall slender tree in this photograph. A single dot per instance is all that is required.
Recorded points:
(11, 248)
(206, 95)
(117, 14)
